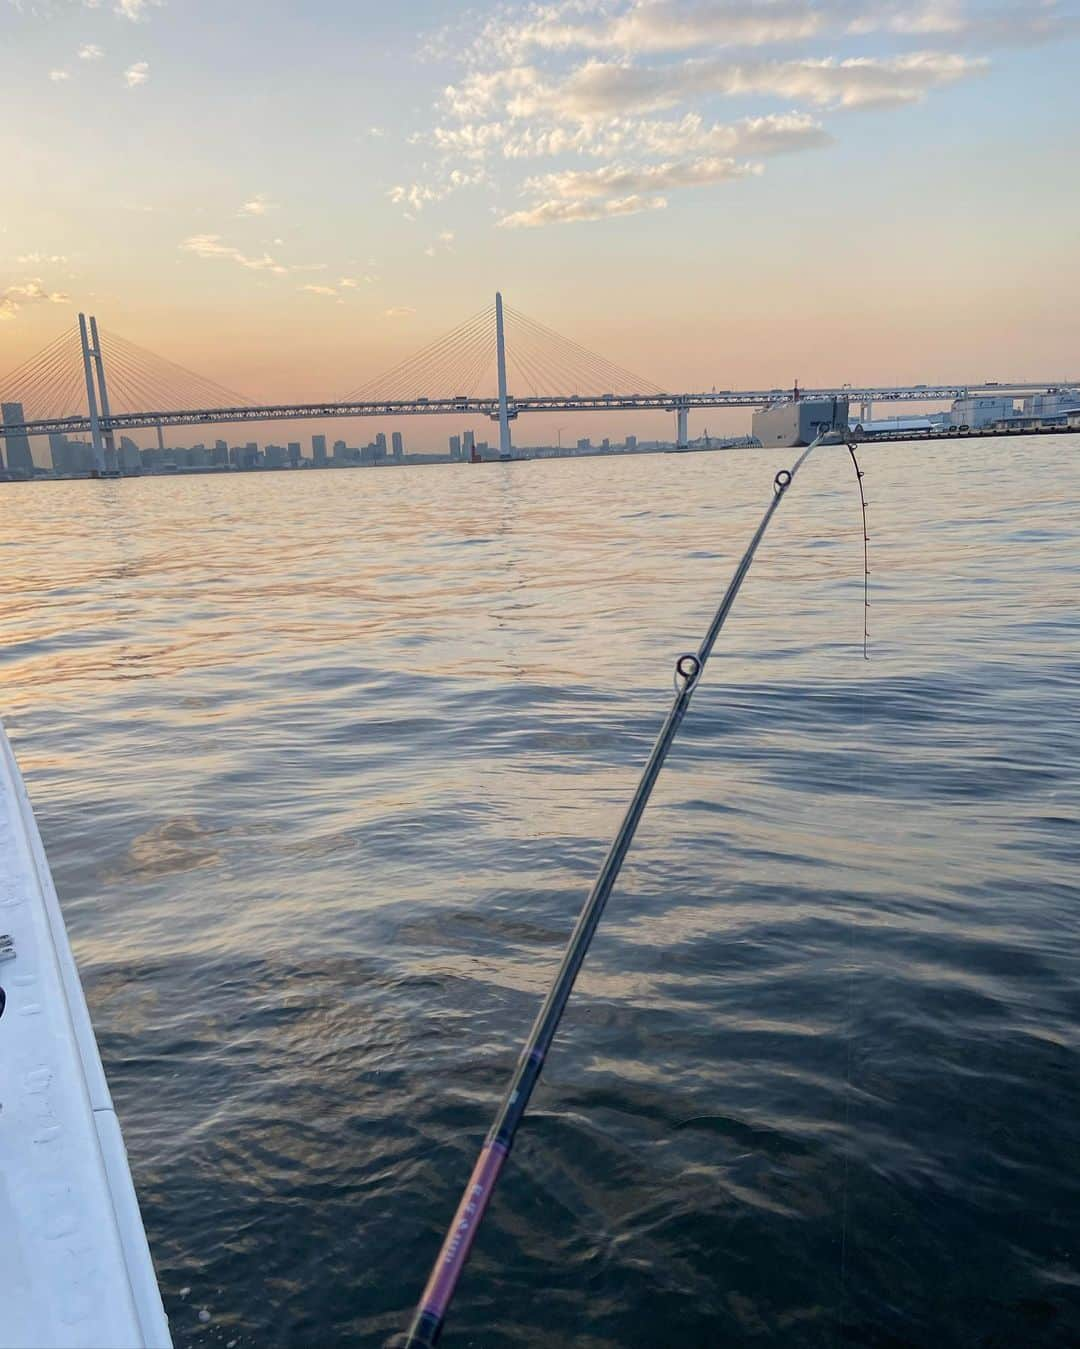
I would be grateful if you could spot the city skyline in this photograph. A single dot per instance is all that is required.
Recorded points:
(730, 193)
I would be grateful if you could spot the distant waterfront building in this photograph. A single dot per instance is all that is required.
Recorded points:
(631, 442)
(129, 456)
(294, 453)
(318, 449)
(251, 455)
(398, 445)
(340, 450)
(978, 412)
(469, 443)
(584, 444)
(380, 445)
(1052, 404)
(455, 447)
(58, 452)
(19, 458)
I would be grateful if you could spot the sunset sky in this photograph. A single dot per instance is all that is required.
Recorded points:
(290, 197)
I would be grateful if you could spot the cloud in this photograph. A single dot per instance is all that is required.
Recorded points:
(565, 212)
(258, 205)
(774, 134)
(417, 195)
(30, 259)
(601, 89)
(632, 85)
(13, 298)
(211, 246)
(628, 181)
(643, 27)
(137, 74)
(771, 134)
(57, 75)
(135, 10)
(90, 51)
(320, 290)
(376, 132)
(441, 244)
(398, 311)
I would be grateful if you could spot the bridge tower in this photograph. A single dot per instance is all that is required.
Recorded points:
(91, 392)
(500, 360)
(111, 461)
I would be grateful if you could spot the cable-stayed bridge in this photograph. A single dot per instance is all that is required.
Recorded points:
(498, 364)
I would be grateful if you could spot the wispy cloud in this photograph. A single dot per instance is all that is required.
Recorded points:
(642, 27)
(13, 298)
(320, 290)
(558, 212)
(416, 196)
(212, 246)
(57, 75)
(32, 259)
(90, 51)
(135, 10)
(441, 244)
(616, 180)
(137, 74)
(259, 204)
(398, 311)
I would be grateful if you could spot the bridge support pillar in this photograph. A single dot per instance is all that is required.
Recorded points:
(111, 461)
(500, 358)
(91, 399)
(681, 413)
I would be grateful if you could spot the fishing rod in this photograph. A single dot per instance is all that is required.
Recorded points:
(427, 1323)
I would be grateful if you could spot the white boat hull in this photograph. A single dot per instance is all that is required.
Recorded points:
(75, 1268)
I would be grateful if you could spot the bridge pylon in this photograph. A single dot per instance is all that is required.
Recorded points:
(500, 362)
(92, 353)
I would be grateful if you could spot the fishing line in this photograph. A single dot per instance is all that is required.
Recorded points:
(430, 1316)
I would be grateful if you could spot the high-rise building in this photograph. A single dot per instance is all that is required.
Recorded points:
(468, 443)
(58, 452)
(128, 455)
(318, 449)
(631, 442)
(380, 445)
(293, 454)
(455, 447)
(19, 458)
(584, 444)
(398, 445)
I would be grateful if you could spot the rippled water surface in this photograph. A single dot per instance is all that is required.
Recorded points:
(325, 762)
